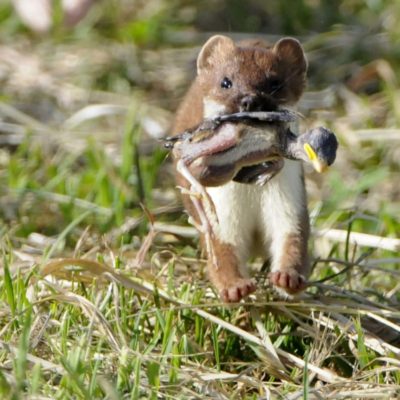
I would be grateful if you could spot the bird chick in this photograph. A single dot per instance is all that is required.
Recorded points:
(250, 151)
(318, 146)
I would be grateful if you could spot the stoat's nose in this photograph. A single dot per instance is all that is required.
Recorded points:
(250, 103)
(256, 102)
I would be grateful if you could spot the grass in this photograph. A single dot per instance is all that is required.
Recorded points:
(103, 293)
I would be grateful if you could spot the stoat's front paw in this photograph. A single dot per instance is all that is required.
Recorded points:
(237, 290)
(289, 280)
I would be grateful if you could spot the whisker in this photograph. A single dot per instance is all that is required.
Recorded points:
(290, 76)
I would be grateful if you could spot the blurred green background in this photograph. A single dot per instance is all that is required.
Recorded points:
(75, 82)
(87, 90)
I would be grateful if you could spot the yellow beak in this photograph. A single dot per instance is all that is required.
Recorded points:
(318, 165)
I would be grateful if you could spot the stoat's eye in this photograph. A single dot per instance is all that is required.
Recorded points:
(275, 85)
(226, 83)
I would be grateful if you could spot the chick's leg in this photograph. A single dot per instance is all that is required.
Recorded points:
(259, 174)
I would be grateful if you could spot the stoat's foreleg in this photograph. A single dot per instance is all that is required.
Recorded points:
(223, 263)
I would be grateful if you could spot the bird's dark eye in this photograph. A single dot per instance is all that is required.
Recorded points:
(275, 84)
(226, 83)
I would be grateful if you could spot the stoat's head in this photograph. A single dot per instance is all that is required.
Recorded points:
(250, 77)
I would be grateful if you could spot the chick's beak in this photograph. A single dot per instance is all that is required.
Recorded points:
(319, 165)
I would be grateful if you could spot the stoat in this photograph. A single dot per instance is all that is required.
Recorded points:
(271, 220)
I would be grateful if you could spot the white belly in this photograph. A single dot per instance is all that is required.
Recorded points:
(253, 217)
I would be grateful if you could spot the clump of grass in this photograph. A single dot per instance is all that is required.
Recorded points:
(91, 329)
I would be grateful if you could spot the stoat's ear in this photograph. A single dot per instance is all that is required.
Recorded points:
(290, 51)
(215, 48)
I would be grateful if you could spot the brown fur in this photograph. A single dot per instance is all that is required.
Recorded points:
(294, 263)
(251, 68)
(232, 286)
(269, 76)
(252, 71)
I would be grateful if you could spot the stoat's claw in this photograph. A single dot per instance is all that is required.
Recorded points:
(289, 280)
(238, 290)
